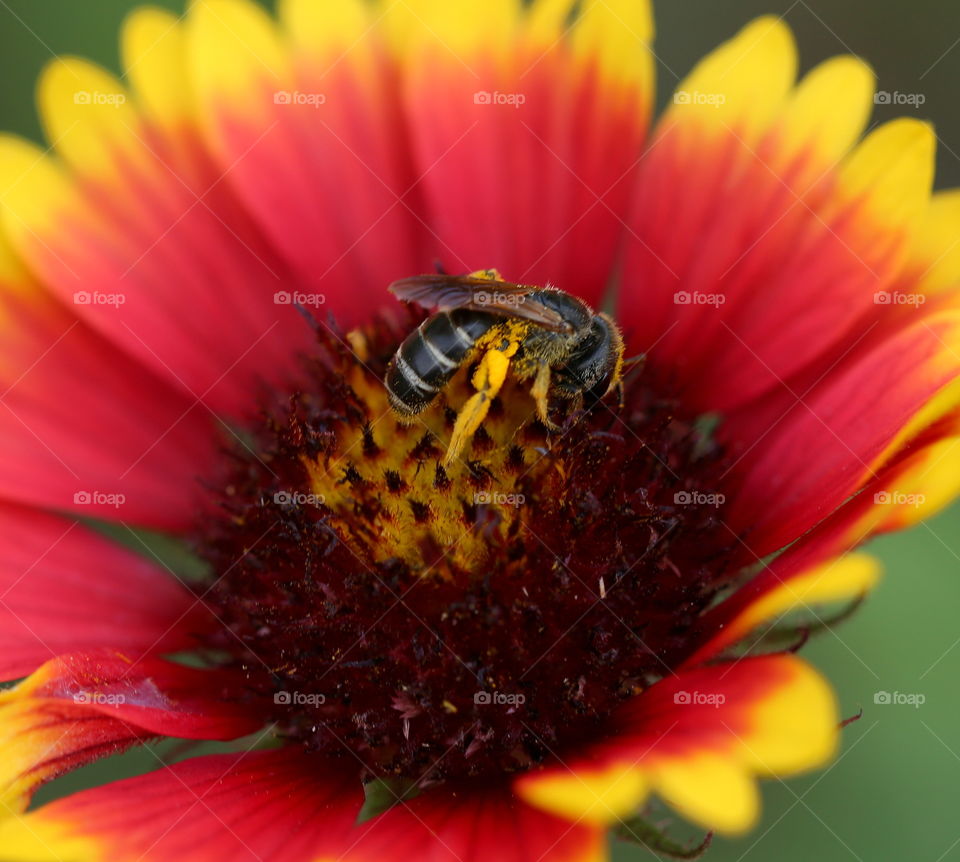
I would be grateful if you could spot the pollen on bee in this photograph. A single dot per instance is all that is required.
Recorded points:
(414, 503)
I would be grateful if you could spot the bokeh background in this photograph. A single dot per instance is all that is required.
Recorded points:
(894, 792)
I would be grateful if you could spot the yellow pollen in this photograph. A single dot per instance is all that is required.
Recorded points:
(388, 486)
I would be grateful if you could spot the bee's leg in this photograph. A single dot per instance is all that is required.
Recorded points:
(487, 380)
(539, 391)
(621, 395)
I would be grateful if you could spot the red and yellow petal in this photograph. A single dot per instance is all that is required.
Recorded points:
(287, 806)
(786, 585)
(527, 130)
(467, 824)
(282, 805)
(698, 740)
(823, 117)
(805, 206)
(131, 224)
(857, 420)
(304, 117)
(933, 264)
(155, 61)
(924, 482)
(85, 428)
(697, 145)
(917, 482)
(752, 188)
(81, 707)
(744, 100)
(64, 589)
(821, 567)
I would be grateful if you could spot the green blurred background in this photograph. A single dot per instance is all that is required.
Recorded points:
(894, 792)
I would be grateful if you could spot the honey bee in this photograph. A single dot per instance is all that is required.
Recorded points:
(545, 335)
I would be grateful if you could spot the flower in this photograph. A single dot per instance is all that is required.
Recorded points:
(526, 645)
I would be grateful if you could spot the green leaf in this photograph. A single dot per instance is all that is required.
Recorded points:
(384, 793)
(637, 830)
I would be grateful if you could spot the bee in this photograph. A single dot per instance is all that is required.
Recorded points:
(545, 335)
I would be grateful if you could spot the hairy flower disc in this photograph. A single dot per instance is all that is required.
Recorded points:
(463, 620)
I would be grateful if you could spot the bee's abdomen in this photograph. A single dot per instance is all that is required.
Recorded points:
(430, 356)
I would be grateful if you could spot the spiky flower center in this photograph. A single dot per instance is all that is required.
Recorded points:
(438, 622)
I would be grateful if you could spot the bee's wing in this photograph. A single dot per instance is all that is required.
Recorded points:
(446, 292)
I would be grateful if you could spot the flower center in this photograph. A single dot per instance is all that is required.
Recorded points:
(444, 621)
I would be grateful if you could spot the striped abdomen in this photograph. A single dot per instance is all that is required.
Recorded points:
(431, 355)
